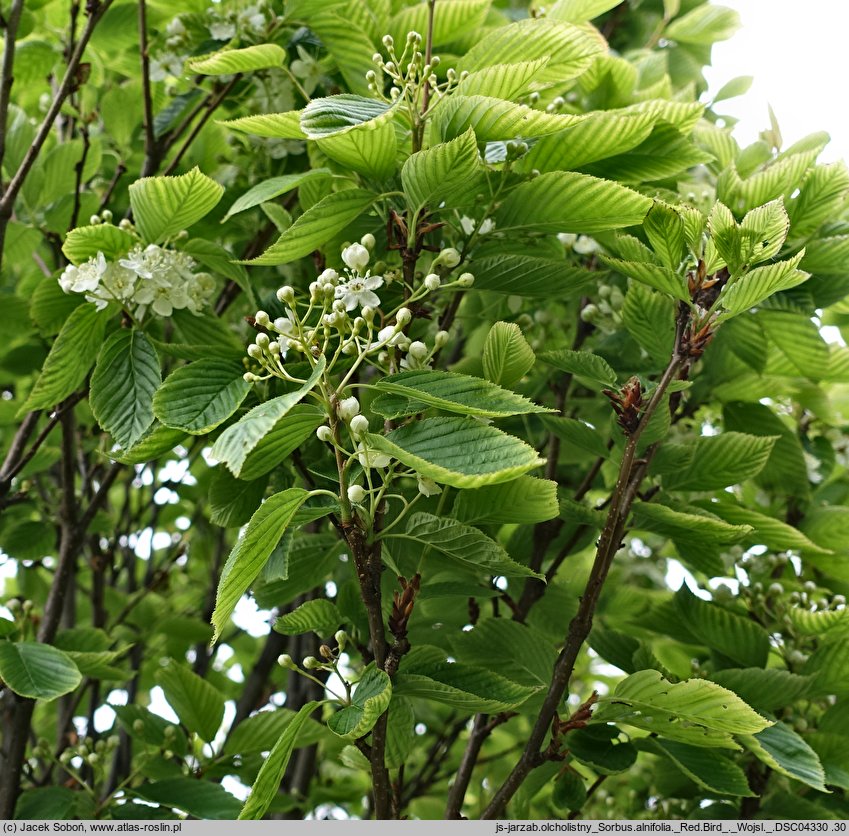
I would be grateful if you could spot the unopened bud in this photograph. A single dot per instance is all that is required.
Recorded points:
(138, 726)
(286, 294)
(449, 257)
(403, 316)
(324, 433)
(432, 281)
(311, 663)
(367, 313)
(254, 351)
(441, 338)
(418, 350)
(106, 215)
(95, 220)
(356, 494)
(368, 241)
(262, 340)
(341, 638)
(93, 758)
(262, 318)
(286, 661)
(126, 224)
(249, 377)
(466, 280)
(348, 408)
(326, 652)
(359, 425)
(387, 41)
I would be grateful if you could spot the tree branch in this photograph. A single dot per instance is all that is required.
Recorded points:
(6, 71)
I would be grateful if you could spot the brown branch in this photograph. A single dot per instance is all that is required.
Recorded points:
(151, 160)
(631, 473)
(16, 450)
(66, 87)
(7, 78)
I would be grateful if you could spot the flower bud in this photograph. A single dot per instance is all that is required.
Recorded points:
(66, 757)
(286, 661)
(432, 281)
(138, 726)
(434, 61)
(414, 38)
(403, 316)
(341, 638)
(262, 319)
(326, 652)
(388, 41)
(371, 76)
(328, 276)
(367, 313)
(368, 241)
(441, 338)
(126, 224)
(249, 377)
(93, 758)
(106, 215)
(466, 280)
(113, 741)
(418, 350)
(356, 494)
(449, 257)
(377, 58)
(775, 589)
(311, 663)
(348, 408)
(359, 425)
(95, 220)
(324, 433)
(286, 294)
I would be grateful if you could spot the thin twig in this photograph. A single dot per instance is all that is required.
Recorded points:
(7, 69)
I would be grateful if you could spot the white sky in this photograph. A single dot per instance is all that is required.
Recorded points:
(799, 55)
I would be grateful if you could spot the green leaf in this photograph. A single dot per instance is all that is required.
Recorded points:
(370, 148)
(321, 616)
(763, 231)
(163, 206)
(502, 81)
(541, 278)
(339, 114)
(316, 226)
(652, 516)
(599, 135)
(579, 11)
(581, 363)
(289, 433)
(492, 119)
(734, 636)
(460, 452)
(46, 803)
(250, 553)
(232, 61)
(709, 769)
(653, 275)
(649, 318)
(738, 86)
(267, 783)
(829, 664)
(817, 623)
(259, 732)
(349, 46)
(274, 187)
(665, 230)
(198, 397)
(576, 433)
(570, 49)
(525, 500)
(156, 441)
(696, 711)
(466, 687)
(198, 704)
(38, 671)
(798, 339)
(272, 125)
(232, 501)
(761, 283)
(201, 799)
(370, 699)
(236, 443)
(71, 356)
(565, 201)
(720, 461)
(507, 356)
(458, 393)
(601, 748)
(464, 543)
(769, 689)
(704, 25)
(569, 791)
(122, 386)
(450, 172)
(85, 242)
(456, 19)
(781, 749)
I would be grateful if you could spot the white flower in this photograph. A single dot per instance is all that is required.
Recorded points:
(371, 458)
(328, 277)
(285, 326)
(467, 225)
(427, 487)
(585, 245)
(487, 225)
(199, 292)
(222, 30)
(175, 28)
(359, 290)
(449, 257)
(167, 64)
(356, 257)
(119, 281)
(567, 238)
(84, 278)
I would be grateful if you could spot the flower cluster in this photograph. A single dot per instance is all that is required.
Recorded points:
(150, 277)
